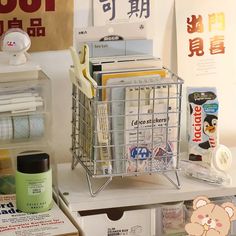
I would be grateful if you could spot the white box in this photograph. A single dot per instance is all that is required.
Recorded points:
(139, 222)
(133, 222)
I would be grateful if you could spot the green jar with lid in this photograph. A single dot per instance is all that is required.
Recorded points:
(33, 183)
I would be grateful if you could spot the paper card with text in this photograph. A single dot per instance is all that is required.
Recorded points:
(205, 40)
(122, 11)
(206, 50)
(13, 222)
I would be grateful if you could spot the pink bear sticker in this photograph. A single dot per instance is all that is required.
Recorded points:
(209, 219)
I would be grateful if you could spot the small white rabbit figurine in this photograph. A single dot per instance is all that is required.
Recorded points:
(16, 42)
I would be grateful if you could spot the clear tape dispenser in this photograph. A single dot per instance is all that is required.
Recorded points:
(217, 173)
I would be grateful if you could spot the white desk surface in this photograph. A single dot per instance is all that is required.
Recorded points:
(134, 191)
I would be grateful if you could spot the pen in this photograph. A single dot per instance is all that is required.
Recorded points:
(20, 100)
(17, 95)
(20, 106)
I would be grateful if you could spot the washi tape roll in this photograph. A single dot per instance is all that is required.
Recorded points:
(222, 158)
(36, 123)
(21, 127)
(6, 128)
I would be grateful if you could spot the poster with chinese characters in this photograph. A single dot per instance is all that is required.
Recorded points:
(205, 40)
(49, 23)
(122, 11)
(206, 37)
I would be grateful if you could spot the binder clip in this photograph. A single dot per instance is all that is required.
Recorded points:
(79, 73)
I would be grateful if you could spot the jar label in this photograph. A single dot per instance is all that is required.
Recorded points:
(36, 188)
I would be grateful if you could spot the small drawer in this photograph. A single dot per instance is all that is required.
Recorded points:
(25, 108)
(24, 128)
(7, 172)
(8, 164)
(218, 201)
(113, 222)
(20, 97)
(170, 219)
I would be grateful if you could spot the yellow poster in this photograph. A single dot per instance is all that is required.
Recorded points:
(49, 23)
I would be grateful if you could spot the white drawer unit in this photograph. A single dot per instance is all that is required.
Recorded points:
(131, 192)
(25, 107)
(25, 120)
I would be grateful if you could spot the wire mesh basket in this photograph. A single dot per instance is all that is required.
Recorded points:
(130, 127)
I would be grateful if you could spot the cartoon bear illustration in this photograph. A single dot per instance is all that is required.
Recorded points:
(209, 219)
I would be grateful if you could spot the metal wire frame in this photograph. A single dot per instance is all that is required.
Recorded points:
(88, 149)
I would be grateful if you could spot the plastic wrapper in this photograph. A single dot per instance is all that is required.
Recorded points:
(204, 173)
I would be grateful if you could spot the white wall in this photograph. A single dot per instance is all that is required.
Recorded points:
(56, 65)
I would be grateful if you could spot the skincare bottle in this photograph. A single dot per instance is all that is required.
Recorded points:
(33, 183)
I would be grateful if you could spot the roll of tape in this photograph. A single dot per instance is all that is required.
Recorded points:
(21, 127)
(36, 123)
(6, 128)
(222, 158)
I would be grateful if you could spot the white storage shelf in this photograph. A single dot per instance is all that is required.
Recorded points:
(29, 123)
(134, 191)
